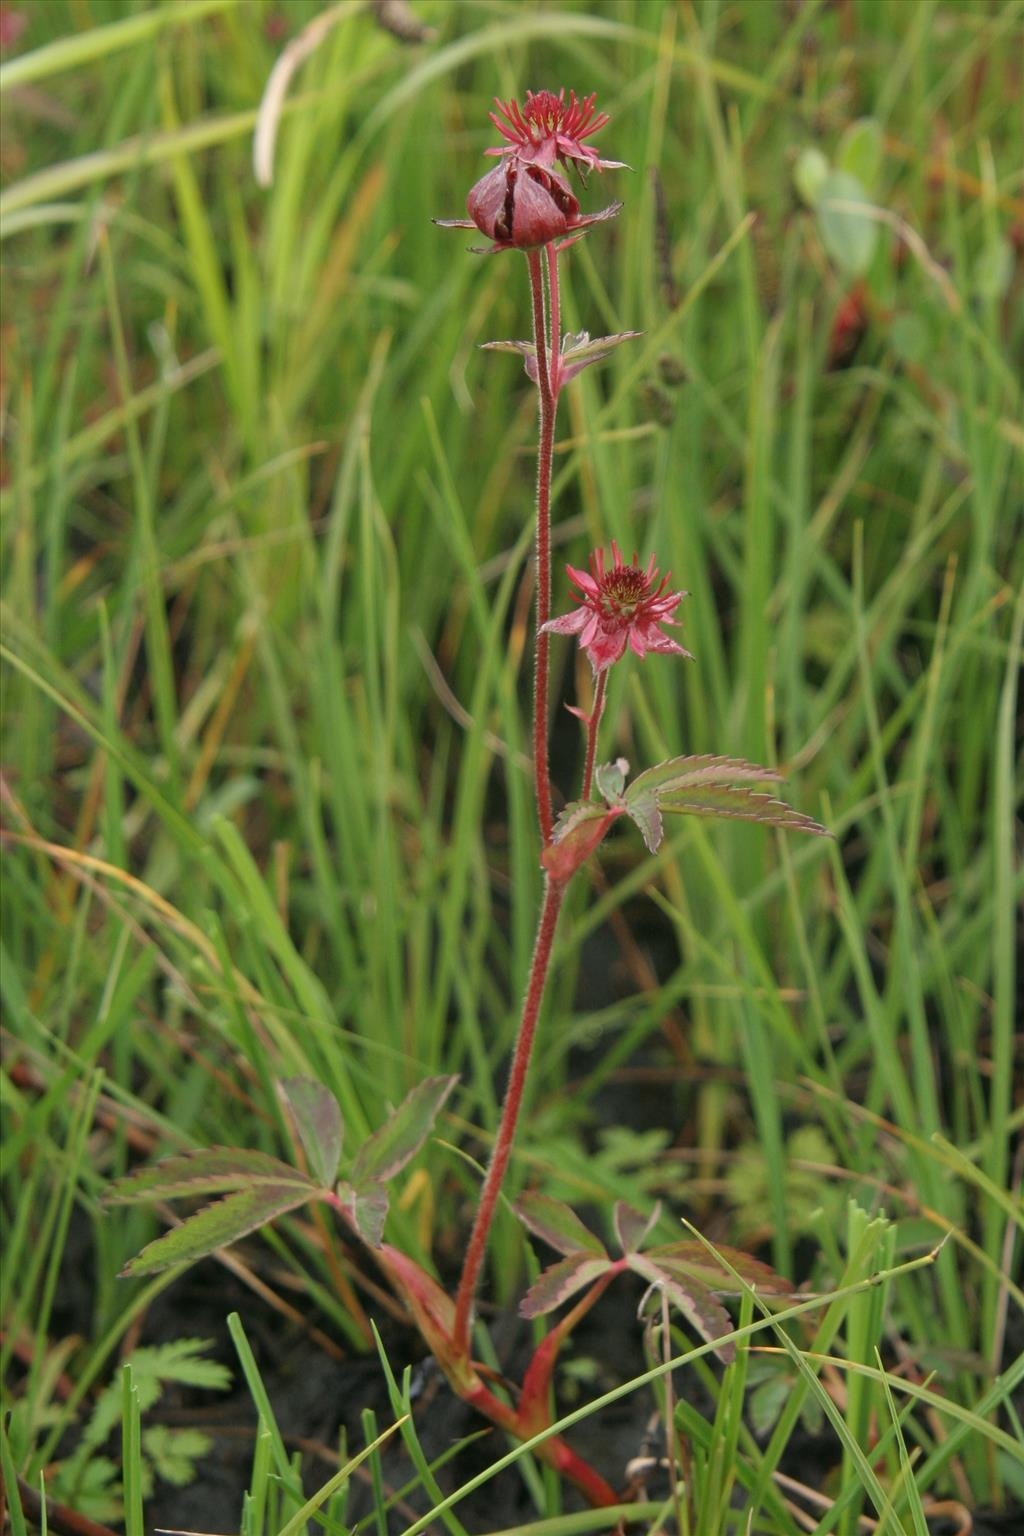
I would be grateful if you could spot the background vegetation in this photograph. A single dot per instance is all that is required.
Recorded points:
(266, 631)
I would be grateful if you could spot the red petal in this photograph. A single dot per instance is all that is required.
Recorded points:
(568, 624)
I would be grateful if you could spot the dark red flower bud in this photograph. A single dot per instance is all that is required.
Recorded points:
(522, 205)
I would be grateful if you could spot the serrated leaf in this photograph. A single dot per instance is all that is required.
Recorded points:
(694, 1301)
(401, 1136)
(643, 812)
(860, 151)
(848, 231)
(574, 815)
(703, 768)
(738, 804)
(579, 352)
(318, 1122)
(557, 1225)
(526, 350)
(631, 1227)
(214, 1170)
(560, 1281)
(219, 1224)
(698, 1261)
(611, 778)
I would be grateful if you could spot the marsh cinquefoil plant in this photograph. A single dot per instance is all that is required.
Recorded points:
(525, 203)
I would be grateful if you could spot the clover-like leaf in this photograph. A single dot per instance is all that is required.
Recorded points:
(212, 1170)
(318, 1122)
(631, 1227)
(557, 1225)
(400, 1137)
(861, 150)
(219, 1224)
(693, 1300)
(562, 1280)
(849, 231)
(809, 173)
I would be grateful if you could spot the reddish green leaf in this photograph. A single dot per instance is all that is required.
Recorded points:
(610, 779)
(318, 1122)
(739, 805)
(562, 1280)
(368, 1209)
(577, 352)
(705, 768)
(578, 831)
(700, 1262)
(558, 1226)
(219, 1224)
(210, 1171)
(632, 1228)
(643, 811)
(401, 1136)
(694, 1300)
(709, 786)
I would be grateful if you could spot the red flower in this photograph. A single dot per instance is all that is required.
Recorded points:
(549, 127)
(525, 201)
(618, 607)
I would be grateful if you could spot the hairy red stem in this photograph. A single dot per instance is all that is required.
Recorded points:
(543, 544)
(553, 893)
(555, 349)
(593, 726)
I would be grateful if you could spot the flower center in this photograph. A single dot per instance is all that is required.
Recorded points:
(622, 591)
(545, 111)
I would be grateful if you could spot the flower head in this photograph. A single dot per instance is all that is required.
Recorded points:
(619, 607)
(549, 127)
(526, 201)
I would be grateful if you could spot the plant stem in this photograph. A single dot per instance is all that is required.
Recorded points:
(543, 537)
(593, 726)
(555, 349)
(554, 890)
